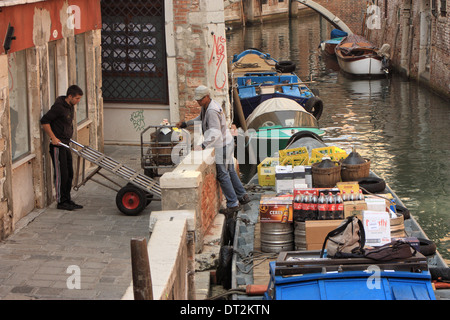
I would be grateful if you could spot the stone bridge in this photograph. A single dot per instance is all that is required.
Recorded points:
(347, 15)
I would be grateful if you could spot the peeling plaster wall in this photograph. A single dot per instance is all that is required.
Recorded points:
(27, 183)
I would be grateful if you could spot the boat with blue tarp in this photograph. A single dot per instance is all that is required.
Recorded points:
(257, 77)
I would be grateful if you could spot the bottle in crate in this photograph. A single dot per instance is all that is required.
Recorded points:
(297, 207)
(321, 207)
(305, 206)
(331, 207)
(339, 213)
(313, 207)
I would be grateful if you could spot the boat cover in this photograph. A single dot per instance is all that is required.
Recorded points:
(336, 33)
(355, 42)
(274, 104)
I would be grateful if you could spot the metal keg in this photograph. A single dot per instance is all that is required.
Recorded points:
(300, 236)
(277, 237)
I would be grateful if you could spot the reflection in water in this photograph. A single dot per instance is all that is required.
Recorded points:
(398, 124)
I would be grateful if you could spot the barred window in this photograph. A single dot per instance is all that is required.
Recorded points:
(134, 51)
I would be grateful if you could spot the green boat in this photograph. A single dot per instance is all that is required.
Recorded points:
(275, 123)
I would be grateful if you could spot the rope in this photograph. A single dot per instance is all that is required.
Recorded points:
(227, 293)
(252, 257)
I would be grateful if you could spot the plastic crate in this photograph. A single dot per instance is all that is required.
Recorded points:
(292, 152)
(297, 160)
(335, 154)
(266, 171)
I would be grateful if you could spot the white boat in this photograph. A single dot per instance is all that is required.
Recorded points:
(358, 56)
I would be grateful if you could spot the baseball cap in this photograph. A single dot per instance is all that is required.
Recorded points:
(200, 92)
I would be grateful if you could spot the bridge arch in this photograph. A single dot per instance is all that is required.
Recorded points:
(328, 15)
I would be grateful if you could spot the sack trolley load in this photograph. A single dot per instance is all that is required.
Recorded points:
(133, 197)
(163, 146)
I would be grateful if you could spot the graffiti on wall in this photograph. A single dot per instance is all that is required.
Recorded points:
(218, 53)
(138, 120)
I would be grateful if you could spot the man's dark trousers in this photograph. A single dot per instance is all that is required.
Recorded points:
(63, 172)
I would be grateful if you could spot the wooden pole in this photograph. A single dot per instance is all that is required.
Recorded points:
(142, 280)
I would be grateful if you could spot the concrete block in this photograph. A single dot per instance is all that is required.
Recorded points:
(180, 179)
(202, 285)
(169, 215)
(168, 238)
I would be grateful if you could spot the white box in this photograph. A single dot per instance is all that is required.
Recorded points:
(299, 175)
(308, 176)
(376, 204)
(377, 227)
(284, 179)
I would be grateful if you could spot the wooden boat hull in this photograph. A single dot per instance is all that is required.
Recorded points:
(361, 65)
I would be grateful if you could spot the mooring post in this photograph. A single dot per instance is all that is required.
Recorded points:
(142, 280)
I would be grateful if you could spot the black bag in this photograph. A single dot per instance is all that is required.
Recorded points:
(391, 251)
(346, 241)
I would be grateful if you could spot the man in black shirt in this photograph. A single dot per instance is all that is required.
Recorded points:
(58, 124)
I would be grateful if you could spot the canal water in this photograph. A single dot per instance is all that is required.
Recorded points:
(400, 125)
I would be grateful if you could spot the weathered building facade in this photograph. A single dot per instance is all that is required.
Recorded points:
(419, 35)
(185, 46)
(48, 46)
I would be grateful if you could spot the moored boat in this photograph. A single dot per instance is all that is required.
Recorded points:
(357, 56)
(252, 267)
(275, 122)
(329, 46)
(256, 77)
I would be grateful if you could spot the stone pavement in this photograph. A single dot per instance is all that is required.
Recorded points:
(51, 247)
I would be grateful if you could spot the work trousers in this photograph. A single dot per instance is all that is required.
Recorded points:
(229, 181)
(63, 172)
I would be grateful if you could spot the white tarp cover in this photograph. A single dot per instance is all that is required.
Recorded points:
(274, 104)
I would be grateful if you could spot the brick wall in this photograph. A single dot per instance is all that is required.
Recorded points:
(198, 28)
(349, 11)
(401, 28)
(210, 197)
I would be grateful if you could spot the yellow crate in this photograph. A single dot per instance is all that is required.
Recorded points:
(314, 160)
(297, 160)
(335, 154)
(293, 152)
(266, 171)
(326, 151)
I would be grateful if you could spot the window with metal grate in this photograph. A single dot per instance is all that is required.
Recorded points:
(134, 51)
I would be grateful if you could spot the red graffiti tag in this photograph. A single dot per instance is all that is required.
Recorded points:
(219, 50)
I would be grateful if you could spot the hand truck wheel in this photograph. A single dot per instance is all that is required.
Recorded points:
(131, 200)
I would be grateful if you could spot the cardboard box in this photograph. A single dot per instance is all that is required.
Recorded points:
(299, 175)
(272, 208)
(348, 187)
(377, 204)
(354, 208)
(316, 231)
(377, 227)
(308, 176)
(284, 179)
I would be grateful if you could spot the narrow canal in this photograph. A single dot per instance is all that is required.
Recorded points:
(400, 125)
